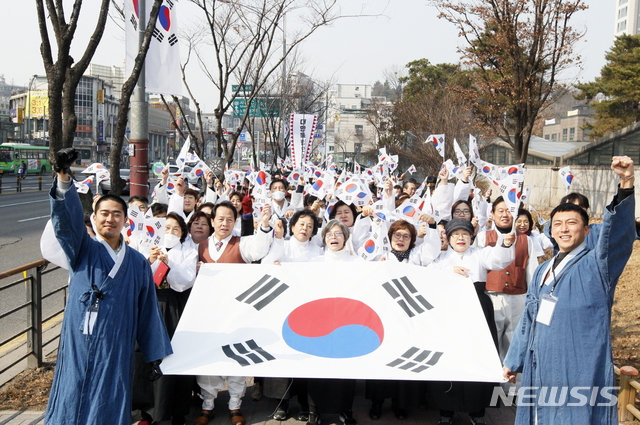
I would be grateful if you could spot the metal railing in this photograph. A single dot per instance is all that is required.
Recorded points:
(31, 276)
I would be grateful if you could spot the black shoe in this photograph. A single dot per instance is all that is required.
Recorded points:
(478, 420)
(399, 412)
(347, 418)
(314, 419)
(303, 415)
(281, 412)
(376, 411)
(445, 421)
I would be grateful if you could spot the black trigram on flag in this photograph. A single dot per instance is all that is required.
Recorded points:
(407, 297)
(172, 39)
(416, 360)
(247, 353)
(158, 35)
(263, 292)
(134, 22)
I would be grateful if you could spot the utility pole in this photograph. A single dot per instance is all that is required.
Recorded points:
(139, 141)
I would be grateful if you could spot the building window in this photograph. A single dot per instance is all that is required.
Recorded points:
(554, 137)
(330, 148)
(622, 13)
(359, 130)
(622, 26)
(621, 2)
(572, 134)
(546, 136)
(564, 134)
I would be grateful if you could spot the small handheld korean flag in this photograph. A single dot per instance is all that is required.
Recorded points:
(437, 140)
(377, 243)
(199, 170)
(134, 223)
(487, 169)
(511, 188)
(93, 168)
(409, 210)
(526, 195)
(184, 154)
(462, 160)
(454, 170)
(541, 220)
(411, 169)
(474, 153)
(155, 230)
(567, 177)
(354, 192)
(85, 185)
(102, 175)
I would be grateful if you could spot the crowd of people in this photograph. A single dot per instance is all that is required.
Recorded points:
(467, 232)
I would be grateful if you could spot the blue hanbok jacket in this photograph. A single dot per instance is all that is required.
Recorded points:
(567, 367)
(93, 377)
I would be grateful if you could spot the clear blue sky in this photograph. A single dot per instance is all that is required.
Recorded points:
(353, 50)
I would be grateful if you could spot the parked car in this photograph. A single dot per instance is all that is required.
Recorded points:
(105, 186)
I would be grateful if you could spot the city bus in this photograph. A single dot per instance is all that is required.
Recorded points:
(36, 158)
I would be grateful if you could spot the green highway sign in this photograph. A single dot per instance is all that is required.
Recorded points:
(260, 107)
(247, 88)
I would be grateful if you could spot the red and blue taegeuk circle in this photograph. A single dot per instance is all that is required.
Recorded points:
(409, 211)
(318, 184)
(353, 330)
(370, 246)
(351, 187)
(513, 195)
(151, 231)
(164, 17)
(569, 178)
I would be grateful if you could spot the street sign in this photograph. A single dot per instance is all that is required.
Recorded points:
(238, 144)
(260, 107)
(247, 88)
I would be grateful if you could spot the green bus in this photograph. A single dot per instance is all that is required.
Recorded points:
(36, 158)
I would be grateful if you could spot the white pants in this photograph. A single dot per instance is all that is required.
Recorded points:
(507, 310)
(210, 385)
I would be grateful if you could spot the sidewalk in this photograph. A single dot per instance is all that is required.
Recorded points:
(260, 413)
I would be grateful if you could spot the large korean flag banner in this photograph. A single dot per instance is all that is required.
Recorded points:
(302, 128)
(162, 64)
(387, 321)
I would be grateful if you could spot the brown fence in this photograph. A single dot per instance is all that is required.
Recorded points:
(629, 389)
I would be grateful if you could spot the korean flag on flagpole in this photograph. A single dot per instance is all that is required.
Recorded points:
(299, 320)
(162, 64)
(437, 140)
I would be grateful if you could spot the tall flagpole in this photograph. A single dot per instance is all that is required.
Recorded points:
(139, 140)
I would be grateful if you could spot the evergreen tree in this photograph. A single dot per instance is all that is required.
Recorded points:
(619, 82)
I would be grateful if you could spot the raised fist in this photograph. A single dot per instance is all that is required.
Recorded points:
(64, 159)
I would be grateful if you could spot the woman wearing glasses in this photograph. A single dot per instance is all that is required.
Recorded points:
(403, 235)
(463, 209)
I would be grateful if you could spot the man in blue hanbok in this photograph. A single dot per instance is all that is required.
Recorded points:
(111, 306)
(562, 345)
